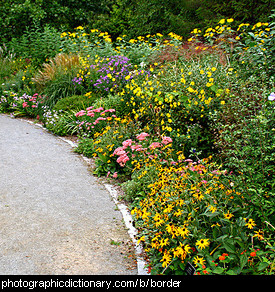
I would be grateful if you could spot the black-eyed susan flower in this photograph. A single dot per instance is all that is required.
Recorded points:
(202, 243)
(250, 224)
(198, 260)
(228, 215)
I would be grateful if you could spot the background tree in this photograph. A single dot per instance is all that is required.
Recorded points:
(131, 17)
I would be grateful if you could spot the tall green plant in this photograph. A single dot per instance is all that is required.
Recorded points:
(36, 44)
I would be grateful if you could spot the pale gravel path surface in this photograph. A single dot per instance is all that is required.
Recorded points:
(55, 217)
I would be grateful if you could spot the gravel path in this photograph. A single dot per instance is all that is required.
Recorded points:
(55, 217)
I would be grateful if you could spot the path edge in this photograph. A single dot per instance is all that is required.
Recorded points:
(124, 210)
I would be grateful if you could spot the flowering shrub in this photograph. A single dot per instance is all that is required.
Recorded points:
(178, 105)
(7, 101)
(103, 142)
(138, 150)
(193, 213)
(86, 43)
(109, 74)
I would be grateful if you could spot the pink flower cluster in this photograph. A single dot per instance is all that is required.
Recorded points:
(89, 114)
(142, 136)
(166, 140)
(123, 155)
(34, 102)
(134, 146)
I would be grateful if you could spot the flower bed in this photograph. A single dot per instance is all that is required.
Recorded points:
(187, 128)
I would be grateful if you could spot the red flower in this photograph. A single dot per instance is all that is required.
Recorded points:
(221, 258)
(253, 254)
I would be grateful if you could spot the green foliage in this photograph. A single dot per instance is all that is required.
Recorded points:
(244, 11)
(113, 101)
(246, 147)
(61, 86)
(16, 16)
(255, 52)
(37, 44)
(75, 103)
(59, 122)
(120, 17)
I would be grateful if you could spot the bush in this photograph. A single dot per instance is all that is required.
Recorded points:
(113, 101)
(37, 44)
(245, 139)
(75, 102)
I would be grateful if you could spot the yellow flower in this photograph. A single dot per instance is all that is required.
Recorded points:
(222, 21)
(141, 239)
(212, 209)
(198, 260)
(259, 234)
(166, 259)
(230, 20)
(202, 243)
(228, 215)
(250, 224)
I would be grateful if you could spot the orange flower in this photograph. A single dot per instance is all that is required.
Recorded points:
(253, 254)
(221, 258)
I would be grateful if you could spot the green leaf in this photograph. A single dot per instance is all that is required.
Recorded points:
(218, 270)
(231, 272)
(182, 266)
(228, 246)
(243, 261)
(262, 266)
(214, 88)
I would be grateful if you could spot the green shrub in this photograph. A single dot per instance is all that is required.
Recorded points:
(75, 102)
(37, 44)
(113, 101)
(245, 139)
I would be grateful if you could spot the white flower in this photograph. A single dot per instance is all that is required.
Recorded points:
(271, 96)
